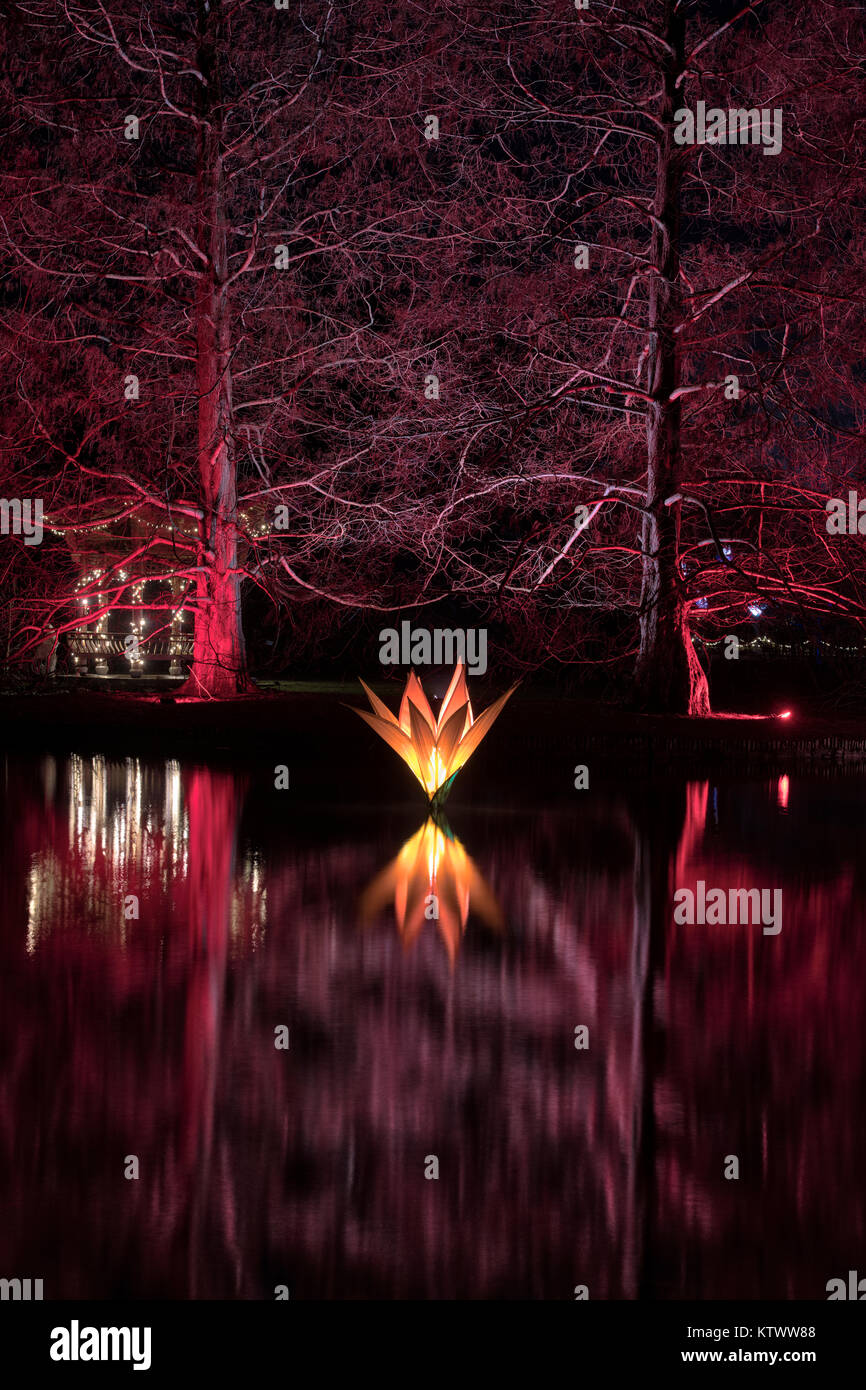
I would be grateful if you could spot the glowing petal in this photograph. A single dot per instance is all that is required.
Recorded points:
(380, 707)
(425, 747)
(456, 694)
(415, 693)
(449, 738)
(433, 749)
(471, 740)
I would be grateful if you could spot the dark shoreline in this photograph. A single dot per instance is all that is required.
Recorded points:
(534, 745)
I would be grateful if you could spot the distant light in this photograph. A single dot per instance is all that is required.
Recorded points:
(727, 552)
(700, 603)
(786, 714)
(756, 609)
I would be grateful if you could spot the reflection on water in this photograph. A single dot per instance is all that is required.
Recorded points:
(783, 792)
(432, 879)
(162, 922)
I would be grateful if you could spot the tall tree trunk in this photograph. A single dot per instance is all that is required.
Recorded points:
(219, 657)
(668, 675)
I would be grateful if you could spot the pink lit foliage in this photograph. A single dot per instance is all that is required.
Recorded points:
(533, 357)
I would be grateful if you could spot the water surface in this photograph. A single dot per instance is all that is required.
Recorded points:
(163, 921)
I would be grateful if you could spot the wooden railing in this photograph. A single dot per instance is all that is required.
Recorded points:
(101, 646)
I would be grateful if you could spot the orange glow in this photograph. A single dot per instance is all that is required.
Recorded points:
(782, 791)
(432, 879)
(435, 749)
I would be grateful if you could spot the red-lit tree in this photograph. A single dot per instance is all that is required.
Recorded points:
(676, 328)
(374, 369)
(200, 288)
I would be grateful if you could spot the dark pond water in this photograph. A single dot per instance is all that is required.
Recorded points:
(412, 1039)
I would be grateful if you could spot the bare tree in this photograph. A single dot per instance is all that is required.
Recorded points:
(675, 325)
(201, 247)
(437, 307)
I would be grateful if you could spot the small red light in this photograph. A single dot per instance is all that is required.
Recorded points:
(786, 714)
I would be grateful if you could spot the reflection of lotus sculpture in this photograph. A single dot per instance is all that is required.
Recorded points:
(435, 749)
(432, 880)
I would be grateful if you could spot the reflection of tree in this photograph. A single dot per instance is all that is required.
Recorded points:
(305, 1167)
(310, 1163)
(114, 985)
(759, 1059)
(660, 825)
(213, 804)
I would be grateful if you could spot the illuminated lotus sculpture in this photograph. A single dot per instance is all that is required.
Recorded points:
(435, 749)
(432, 879)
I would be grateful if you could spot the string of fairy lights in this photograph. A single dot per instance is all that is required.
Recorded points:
(138, 622)
(178, 640)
